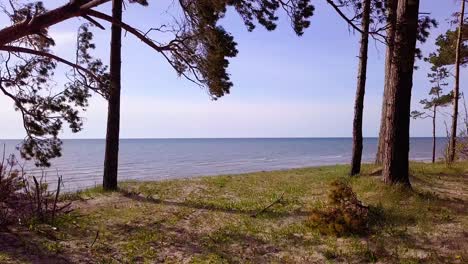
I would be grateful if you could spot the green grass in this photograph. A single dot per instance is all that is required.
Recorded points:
(209, 220)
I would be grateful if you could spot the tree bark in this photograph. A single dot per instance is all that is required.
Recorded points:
(360, 91)
(36, 23)
(111, 159)
(391, 21)
(396, 146)
(434, 115)
(456, 88)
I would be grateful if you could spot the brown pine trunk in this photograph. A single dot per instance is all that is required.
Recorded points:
(111, 159)
(360, 91)
(380, 143)
(456, 89)
(434, 115)
(47, 19)
(396, 146)
(391, 21)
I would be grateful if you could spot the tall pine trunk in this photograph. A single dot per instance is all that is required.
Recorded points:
(396, 145)
(111, 159)
(391, 21)
(360, 91)
(456, 88)
(434, 115)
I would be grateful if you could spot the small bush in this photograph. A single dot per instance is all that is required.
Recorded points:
(461, 149)
(24, 197)
(344, 214)
(11, 184)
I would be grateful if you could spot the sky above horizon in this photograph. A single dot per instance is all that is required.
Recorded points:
(284, 85)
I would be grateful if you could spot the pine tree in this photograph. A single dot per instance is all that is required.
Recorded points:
(391, 9)
(371, 15)
(360, 91)
(396, 137)
(111, 155)
(456, 88)
(425, 23)
(437, 77)
(204, 47)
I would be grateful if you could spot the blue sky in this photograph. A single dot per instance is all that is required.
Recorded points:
(284, 86)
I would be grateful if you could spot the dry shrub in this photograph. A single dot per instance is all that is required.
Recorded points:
(11, 184)
(461, 149)
(23, 197)
(344, 214)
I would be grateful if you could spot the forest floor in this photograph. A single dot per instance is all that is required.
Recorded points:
(209, 220)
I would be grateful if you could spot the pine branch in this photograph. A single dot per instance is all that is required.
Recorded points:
(51, 56)
(351, 23)
(127, 27)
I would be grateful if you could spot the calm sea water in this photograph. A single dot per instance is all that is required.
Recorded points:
(156, 159)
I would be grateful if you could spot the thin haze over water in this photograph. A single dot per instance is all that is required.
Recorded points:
(81, 164)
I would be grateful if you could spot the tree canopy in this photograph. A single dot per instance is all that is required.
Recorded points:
(446, 50)
(438, 78)
(199, 50)
(26, 77)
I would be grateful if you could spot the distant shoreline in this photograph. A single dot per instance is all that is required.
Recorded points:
(225, 138)
(246, 173)
(82, 160)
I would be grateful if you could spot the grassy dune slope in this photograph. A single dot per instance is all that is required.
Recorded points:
(209, 220)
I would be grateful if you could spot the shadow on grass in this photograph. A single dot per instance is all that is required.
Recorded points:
(25, 247)
(439, 178)
(204, 206)
(180, 243)
(437, 191)
(395, 238)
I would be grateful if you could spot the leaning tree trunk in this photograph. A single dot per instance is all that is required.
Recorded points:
(396, 147)
(434, 115)
(456, 88)
(360, 91)
(391, 21)
(111, 159)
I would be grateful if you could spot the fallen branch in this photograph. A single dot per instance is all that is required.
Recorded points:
(61, 209)
(270, 205)
(95, 239)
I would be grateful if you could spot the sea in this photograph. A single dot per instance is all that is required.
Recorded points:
(81, 164)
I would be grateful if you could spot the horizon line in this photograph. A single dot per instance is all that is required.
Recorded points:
(143, 138)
